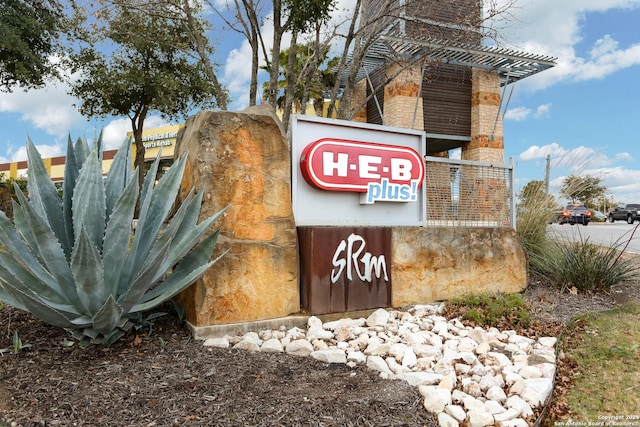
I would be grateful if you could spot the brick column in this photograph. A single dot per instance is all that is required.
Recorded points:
(359, 94)
(486, 144)
(486, 192)
(400, 98)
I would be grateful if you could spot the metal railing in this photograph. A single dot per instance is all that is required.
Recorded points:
(465, 193)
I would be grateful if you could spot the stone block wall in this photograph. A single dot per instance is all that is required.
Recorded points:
(439, 263)
(243, 161)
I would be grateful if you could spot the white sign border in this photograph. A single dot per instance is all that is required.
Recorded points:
(315, 207)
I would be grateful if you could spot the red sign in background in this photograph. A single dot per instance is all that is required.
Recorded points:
(345, 165)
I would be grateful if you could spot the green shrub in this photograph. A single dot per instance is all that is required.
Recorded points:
(73, 260)
(534, 213)
(589, 267)
(491, 309)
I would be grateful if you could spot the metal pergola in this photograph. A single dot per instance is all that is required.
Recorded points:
(511, 65)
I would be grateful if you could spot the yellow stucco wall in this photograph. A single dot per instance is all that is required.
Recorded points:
(155, 139)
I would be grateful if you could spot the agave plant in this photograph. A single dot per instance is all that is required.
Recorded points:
(74, 261)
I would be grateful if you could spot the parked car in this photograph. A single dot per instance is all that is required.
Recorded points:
(629, 213)
(573, 214)
(597, 216)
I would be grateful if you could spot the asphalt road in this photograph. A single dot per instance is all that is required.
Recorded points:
(603, 233)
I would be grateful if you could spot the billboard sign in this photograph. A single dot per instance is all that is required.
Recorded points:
(383, 172)
(356, 174)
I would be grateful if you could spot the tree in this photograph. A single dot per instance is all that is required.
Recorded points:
(533, 191)
(288, 16)
(586, 190)
(363, 25)
(29, 37)
(8, 192)
(534, 203)
(312, 77)
(139, 58)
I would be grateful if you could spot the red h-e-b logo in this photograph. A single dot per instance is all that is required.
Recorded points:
(384, 172)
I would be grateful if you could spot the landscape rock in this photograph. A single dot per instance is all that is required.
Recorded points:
(435, 398)
(330, 356)
(219, 342)
(467, 376)
(446, 420)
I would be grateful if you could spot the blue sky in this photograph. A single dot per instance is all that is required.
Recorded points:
(584, 113)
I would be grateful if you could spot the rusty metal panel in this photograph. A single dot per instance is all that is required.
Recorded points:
(446, 94)
(344, 268)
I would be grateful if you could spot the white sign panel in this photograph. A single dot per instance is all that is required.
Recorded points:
(348, 173)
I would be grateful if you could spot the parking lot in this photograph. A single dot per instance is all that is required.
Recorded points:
(604, 233)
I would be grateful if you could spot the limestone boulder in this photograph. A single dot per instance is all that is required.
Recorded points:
(242, 161)
(439, 263)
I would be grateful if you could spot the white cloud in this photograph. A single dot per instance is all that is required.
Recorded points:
(567, 18)
(56, 150)
(577, 160)
(622, 183)
(540, 152)
(115, 132)
(624, 157)
(49, 109)
(542, 111)
(237, 75)
(517, 114)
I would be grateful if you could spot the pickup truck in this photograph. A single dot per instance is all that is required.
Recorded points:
(629, 213)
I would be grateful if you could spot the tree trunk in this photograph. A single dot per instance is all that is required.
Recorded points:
(291, 84)
(274, 70)
(221, 94)
(137, 125)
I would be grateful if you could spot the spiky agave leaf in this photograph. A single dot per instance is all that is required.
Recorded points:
(71, 263)
(119, 176)
(89, 204)
(44, 197)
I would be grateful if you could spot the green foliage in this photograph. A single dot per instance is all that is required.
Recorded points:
(74, 261)
(589, 267)
(579, 264)
(602, 348)
(535, 210)
(305, 15)
(8, 192)
(29, 36)
(140, 321)
(312, 81)
(180, 311)
(492, 310)
(138, 57)
(17, 344)
(586, 190)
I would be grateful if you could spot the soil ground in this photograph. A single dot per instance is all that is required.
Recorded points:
(166, 378)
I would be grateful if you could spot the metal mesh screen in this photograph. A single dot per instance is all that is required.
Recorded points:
(465, 193)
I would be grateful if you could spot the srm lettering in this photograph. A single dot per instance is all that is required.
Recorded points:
(350, 257)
